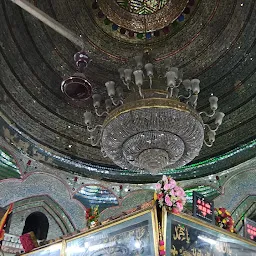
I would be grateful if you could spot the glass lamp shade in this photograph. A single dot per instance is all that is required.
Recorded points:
(213, 102)
(88, 118)
(110, 85)
(211, 136)
(149, 69)
(120, 92)
(195, 85)
(219, 118)
(139, 61)
(175, 70)
(171, 77)
(167, 64)
(96, 100)
(128, 75)
(138, 75)
(187, 84)
(108, 104)
(121, 73)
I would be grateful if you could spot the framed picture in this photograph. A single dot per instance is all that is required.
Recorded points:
(187, 235)
(50, 250)
(203, 208)
(133, 235)
(250, 229)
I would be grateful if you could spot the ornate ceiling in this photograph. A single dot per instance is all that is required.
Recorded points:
(214, 41)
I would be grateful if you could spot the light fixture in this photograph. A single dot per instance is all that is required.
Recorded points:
(77, 87)
(148, 122)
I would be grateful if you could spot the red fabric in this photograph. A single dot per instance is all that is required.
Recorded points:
(28, 241)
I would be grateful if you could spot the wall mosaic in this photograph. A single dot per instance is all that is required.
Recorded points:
(8, 165)
(91, 195)
(132, 200)
(60, 222)
(38, 184)
(237, 188)
(245, 209)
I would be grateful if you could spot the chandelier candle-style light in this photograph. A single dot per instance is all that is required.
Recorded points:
(149, 122)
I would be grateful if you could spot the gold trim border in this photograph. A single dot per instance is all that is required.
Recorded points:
(64, 241)
(162, 103)
(213, 227)
(46, 247)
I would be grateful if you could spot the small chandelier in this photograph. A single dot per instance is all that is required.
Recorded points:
(148, 122)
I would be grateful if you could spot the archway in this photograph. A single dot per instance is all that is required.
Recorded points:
(38, 223)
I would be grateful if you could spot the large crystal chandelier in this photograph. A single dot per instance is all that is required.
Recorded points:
(146, 121)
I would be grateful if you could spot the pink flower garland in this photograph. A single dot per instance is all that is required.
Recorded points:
(168, 194)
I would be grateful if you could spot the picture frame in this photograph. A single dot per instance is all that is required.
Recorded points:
(136, 234)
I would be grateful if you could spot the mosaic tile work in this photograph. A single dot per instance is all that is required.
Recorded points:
(237, 188)
(96, 195)
(8, 167)
(247, 209)
(207, 191)
(59, 222)
(18, 222)
(142, 6)
(132, 200)
(43, 184)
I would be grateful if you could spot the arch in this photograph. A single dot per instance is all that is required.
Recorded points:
(40, 184)
(38, 223)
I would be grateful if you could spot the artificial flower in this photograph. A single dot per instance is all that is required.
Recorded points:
(160, 196)
(179, 206)
(165, 179)
(169, 194)
(158, 186)
(224, 220)
(168, 200)
(167, 186)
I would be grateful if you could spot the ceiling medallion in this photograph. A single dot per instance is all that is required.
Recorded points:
(141, 16)
(149, 121)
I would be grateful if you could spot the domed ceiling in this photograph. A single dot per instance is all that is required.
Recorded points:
(210, 40)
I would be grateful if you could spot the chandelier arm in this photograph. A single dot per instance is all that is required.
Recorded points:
(150, 81)
(186, 97)
(140, 92)
(95, 143)
(117, 102)
(126, 84)
(169, 92)
(96, 137)
(208, 144)
(93, 129)
(214, 130)
(207, 114)
(100, 114)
